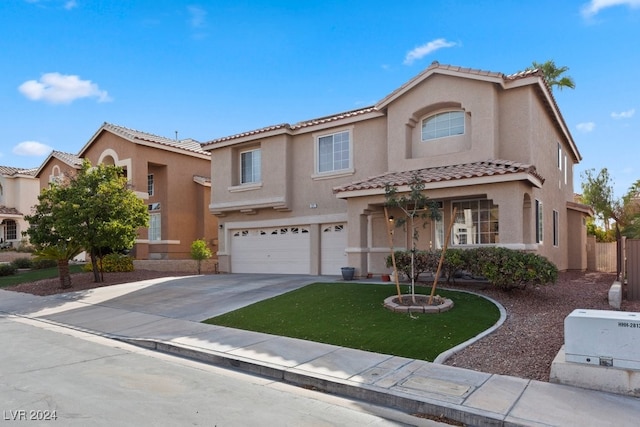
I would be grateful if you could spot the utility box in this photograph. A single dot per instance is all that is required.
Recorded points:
(603, 337)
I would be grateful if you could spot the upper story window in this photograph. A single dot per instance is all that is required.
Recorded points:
(442, 125)
(150, 184)
(250, 169)
(334, 152)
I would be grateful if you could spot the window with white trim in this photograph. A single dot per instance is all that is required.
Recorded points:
(333, 152)
(10, 229)
(556, 228)
(150, 184)
(441, 125)
(250, 169)
(476, 223)
(539, 223)
(155, 226)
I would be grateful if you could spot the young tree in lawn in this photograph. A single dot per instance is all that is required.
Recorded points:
(200, 252)
(95, 208)
(414, 205)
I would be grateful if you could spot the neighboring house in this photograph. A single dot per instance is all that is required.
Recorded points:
(19, 191)
(172, 176)
(309, 197)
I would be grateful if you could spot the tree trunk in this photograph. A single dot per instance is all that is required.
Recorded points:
(64, 274)
(97, 278)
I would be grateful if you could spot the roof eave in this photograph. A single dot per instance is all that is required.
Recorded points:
(436, 185)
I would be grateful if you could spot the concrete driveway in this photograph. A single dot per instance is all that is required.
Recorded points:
(193, 298)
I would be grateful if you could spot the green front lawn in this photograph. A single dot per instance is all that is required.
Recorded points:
(352, 315)
(35, 275)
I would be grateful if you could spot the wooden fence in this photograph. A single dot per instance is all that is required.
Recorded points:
(601, 256)
(633, 268)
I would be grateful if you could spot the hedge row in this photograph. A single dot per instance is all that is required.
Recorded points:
(13, 266)
(502, 267)
(114, 263)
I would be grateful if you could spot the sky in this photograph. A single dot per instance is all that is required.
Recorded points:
(210, 69)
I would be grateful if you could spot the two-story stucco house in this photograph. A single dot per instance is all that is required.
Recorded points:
(171, 175)
(309, 197)
(19, 190)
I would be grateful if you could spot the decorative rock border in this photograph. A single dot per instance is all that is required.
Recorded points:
(392, 304)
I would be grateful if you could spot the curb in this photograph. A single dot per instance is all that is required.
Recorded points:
(364, 392)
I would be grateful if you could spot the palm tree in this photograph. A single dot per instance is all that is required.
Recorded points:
(553, 74)
(61, 253)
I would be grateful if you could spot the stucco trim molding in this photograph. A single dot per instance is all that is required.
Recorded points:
(273, 202)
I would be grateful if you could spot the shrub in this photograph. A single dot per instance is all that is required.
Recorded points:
(40, 264)
(7, 269)
(424, 261)
(502, 267)
(23, 262)
(454, 261)
(508, 269)
(113, 263)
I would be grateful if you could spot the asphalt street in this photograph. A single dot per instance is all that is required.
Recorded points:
(50, 375)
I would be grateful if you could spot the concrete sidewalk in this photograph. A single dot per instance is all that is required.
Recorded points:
(474, 398)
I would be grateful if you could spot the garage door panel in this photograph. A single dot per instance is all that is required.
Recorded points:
(282, 250)
(333, 243)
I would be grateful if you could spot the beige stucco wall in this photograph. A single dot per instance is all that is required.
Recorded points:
(288, 173)
(512, 123)
(21, 193)
(441, 93)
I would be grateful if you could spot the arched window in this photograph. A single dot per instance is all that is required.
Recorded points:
(442, 125)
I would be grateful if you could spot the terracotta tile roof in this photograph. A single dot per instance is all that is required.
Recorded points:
(11, 171)
(299, 125)
(68, 158)
(187, 144)
(442, 173)
(9, 211)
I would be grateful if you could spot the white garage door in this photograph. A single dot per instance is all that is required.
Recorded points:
(283, 250)
(333, 242)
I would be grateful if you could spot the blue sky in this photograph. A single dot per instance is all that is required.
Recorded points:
(210, 69)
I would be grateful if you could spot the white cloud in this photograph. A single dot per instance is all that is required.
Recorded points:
(31, 148)
(197, 16)
(427, 48)
(595, 6)
(623, 114)
(58, 88)
(67, 4)
(586, 127)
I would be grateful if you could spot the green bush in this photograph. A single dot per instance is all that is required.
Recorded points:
(455, 260)
(23, 262)
(41, 264)
(113, 263)
(502, 267)
(7, 269)
(508, 269)
(424, 261)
